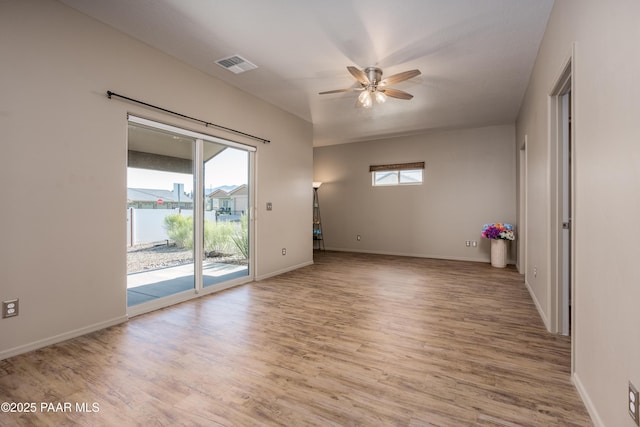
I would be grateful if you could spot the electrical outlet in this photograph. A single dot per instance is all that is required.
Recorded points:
(358, 237)
(269, 206)
(468, 243)
(284, 251)
(633, 404)
(535, 271)
(10, 308)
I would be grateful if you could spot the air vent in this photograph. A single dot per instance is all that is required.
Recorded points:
(236, 64)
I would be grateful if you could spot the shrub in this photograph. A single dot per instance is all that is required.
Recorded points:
(217, 237)
(180, 230)
(241, 237)
(221, 237)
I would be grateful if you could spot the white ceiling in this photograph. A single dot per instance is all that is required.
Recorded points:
(475, 56)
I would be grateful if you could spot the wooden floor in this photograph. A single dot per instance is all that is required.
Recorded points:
(353, 340)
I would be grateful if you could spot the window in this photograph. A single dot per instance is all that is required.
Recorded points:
(397, 174)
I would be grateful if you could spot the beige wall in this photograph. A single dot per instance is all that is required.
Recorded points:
(64, 146)
(606, 157)
(469, 180)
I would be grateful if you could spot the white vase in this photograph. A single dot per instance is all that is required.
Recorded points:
(498, 253)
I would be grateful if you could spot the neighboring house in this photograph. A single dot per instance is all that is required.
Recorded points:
(229, 199)
(147, 198)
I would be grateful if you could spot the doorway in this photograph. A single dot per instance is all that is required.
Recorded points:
(523, 206)
(562, 206)
(189, 198)
(566, 215)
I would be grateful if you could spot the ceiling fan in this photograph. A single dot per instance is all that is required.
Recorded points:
(373, 87)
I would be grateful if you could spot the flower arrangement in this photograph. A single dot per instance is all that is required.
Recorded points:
(498, 231)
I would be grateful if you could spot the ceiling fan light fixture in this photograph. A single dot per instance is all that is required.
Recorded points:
(373, 88)
(365, 99)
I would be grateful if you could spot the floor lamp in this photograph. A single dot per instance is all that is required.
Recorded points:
(318, 238)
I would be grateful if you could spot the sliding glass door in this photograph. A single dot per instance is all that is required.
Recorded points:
(226, 214)
(159, 214)
(188, 214)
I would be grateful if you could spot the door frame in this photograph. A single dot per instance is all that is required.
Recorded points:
(559, 295)
(198, 215)
(523, 205)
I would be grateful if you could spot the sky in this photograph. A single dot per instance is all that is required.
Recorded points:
(228, 168)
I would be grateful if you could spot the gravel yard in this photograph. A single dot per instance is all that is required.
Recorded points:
(151, 256)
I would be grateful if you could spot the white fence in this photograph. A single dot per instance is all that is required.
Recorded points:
(147, 225)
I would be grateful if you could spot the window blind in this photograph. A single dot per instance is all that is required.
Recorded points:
(397, 167)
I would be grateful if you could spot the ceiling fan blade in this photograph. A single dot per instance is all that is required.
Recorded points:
(351, 89)
(395, 93)
(400, 77)
(359, 75)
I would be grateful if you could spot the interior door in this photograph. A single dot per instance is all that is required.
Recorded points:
(566, 213)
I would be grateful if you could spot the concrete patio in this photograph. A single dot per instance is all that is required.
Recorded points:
(149, 285)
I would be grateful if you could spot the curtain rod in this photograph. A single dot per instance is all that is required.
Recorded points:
(205, 123)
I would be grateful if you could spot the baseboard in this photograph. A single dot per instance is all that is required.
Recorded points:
(541, 312)
(284, 270)
(364, 251)
(5, 354)
(593, 413)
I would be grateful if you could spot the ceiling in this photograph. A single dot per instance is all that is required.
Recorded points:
(475, 56)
